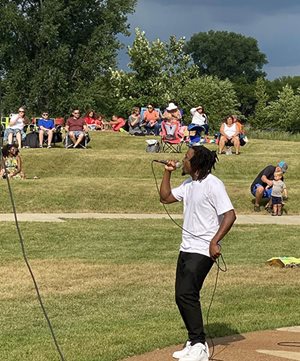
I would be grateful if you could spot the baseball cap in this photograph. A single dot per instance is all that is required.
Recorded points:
(283, 165)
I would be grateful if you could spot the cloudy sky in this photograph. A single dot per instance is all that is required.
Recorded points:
(275, 24)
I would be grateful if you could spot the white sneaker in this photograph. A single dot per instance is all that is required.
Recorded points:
(186, 349)
(197, 352)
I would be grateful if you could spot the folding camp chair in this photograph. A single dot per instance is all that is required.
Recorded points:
(83, 144)
(171, 139)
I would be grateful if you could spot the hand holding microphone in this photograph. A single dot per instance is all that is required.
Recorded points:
(170, 164)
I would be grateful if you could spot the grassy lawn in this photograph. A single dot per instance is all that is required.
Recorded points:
(114, 175)
(108, 287)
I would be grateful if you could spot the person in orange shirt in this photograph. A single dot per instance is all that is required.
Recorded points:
(151, 120)
(239, 125)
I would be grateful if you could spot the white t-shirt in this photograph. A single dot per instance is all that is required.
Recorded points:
(230, 131)
(204, 203)
(17, 122)
(198, 118)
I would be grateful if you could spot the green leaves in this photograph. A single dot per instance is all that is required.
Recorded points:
(284, 113)
(226, 55)
(49, 49)
(158, 72)
(216, 96)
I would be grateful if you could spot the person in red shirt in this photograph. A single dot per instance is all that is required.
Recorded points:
(76, 127)
(117, 123)
(151, 120)
(92, 120)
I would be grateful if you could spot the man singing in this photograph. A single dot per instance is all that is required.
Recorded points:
(208, 216)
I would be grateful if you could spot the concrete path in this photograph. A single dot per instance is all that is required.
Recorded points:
(61, 217)
(276, 345)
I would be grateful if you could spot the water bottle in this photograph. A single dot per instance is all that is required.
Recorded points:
(228, 151)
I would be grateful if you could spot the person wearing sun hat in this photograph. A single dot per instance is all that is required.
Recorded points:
(172, 112)
(200, 118)
(259, 187)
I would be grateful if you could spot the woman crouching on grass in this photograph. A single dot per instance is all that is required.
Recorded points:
(12, 162)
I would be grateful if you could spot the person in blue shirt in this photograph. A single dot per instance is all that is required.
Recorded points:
(46, 126)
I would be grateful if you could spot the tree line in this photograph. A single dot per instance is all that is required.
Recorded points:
(56, 55)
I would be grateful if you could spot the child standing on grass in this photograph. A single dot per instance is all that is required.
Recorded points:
(278, 189)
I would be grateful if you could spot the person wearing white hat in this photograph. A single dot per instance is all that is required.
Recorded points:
(200, 118)
(172, 112)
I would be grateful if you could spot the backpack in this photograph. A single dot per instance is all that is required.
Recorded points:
(152, 146)
(31, 140)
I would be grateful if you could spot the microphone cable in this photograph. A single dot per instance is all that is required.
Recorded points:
(217, 262)
(21, 241)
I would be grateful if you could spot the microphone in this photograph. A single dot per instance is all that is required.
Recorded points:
(165, 162)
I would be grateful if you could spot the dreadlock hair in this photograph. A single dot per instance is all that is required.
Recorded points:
(203, 161)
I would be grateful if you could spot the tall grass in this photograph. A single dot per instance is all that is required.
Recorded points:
(273, 135)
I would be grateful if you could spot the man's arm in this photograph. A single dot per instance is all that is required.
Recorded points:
(67, 126)
(227, 222)
(264, 179)
(165, 192)
(284, 191)
(13, 120)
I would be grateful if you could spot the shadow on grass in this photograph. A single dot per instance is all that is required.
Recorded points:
(222, 335)
(264, 203)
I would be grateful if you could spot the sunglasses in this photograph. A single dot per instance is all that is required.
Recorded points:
(45, 114)
(21, 111)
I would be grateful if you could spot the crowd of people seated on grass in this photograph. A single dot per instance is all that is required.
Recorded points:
(146, 121)
(149, 120)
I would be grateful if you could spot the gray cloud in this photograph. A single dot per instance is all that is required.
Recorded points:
(258, 6)
(273, 23)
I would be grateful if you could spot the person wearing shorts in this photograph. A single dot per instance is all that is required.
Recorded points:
(76, 127)
(15, 128)
(261, 187)
(278, 189)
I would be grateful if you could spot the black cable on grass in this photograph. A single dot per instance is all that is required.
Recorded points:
(219, 268)
(21, 240)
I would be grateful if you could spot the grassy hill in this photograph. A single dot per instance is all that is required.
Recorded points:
(114, 175)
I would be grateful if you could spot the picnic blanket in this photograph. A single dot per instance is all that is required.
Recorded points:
(284, 262)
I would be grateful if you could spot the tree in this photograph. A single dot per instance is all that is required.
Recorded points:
(284, 113)
(217, 96)
(276, 85)
(258, 121)
(158, 71)
(227, 55)
(56, 54)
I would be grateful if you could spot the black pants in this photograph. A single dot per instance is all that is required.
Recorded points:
(192, 268)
